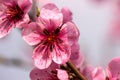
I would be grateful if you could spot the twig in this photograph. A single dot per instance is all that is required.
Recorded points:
(80, 76)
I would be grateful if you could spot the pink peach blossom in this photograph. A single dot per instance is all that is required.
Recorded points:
(51, 73)
(12, 14)
(46, 74)
(92, 73)
(113, 69)
(54, 38)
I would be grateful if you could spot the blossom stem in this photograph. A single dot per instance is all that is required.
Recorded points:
(75, 70)
(32, 13)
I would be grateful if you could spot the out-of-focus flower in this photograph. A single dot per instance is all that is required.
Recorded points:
(54, 38)
(87, 72)
(45, 74)
(12, 14)
(113, 69)
(93, 73)
(98, 74)
(51, 73)
(98, 2)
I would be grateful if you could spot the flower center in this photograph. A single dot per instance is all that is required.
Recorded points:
(14, 13)
(51, 38)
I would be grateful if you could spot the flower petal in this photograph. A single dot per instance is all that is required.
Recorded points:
(62, 74)
(32, 33)
(25, 5)
(5, 27)
(76, 57)
(75, 49)
(98, 74)
(42, 57)
(113, 68)
(37, 74)
(45, 74)
(61, 53)
(67, 14)
(51, 16)
(72, 32)
(26, 19)
(87, 72)
(4, 32)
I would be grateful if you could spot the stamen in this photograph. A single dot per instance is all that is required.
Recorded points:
(107, 78)
(45, 31)
(14, 13)
(59, 40)
(51, 47)
(54, 72)
(57, 30)
(51, 38)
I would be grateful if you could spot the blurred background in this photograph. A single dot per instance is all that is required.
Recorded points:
(99, 25)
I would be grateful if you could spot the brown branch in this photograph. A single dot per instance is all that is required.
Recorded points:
(75, 70)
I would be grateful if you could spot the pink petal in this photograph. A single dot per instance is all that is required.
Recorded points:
(87, 72)
(98, 74)
(113, 68)
(32, 33)
(37, 74)
(10, 3)
(5, 31)
(2, 1)
(76, 57)
(62, 74)
(44, 74)
(75, 49)
(25, 5)
(26, 19)
(42, 57)
(71, 31)
(67, 14)
(53, 66)
(61, 53)
(51, 16)
(5, 27)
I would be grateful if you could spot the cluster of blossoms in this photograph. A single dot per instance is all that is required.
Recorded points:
(54, 37)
